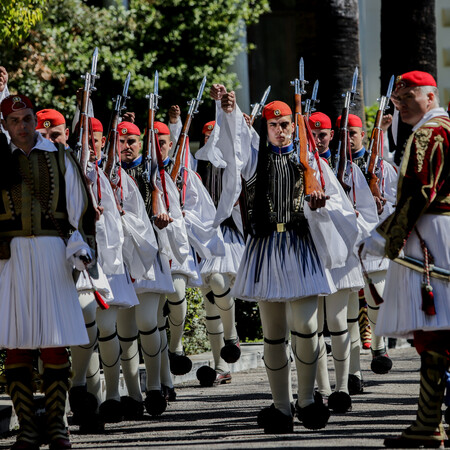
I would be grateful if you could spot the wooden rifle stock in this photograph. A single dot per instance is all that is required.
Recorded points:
(83, 139)
(343, 149)
(374, 150)
(181, 144)
(111, 147)
(310, 181)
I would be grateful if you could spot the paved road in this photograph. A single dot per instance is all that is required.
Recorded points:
(224, 417)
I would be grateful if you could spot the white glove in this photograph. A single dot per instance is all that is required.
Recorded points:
(82, 260)
(373, 245)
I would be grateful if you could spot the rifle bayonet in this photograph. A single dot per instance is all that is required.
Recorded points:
(310, 104)
(94, 75)
(258, 107)
(196, 102)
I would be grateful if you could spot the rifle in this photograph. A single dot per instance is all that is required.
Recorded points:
(344, 139)
(85, 128)
(310, 104)
(180, 148)
(257, 108)
(112, 143)
(300, 140)
(151, 154)
(113, 165)
(376, 145)
(82, 151)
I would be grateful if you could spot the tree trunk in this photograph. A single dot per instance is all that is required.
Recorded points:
(413, 49)
(403, 51)
(338, 41)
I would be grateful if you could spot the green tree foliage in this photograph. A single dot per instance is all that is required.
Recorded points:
(182, 39)
(195, 339)
(17, 18)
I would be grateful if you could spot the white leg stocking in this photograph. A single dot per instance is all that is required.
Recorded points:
(220, 285)
(177, 312)
(323, 381)
(93, 380)
(336, 308)
(129, 358)
(214, 329)
(81, 354)
(109, 350)
(302, 315)
(276, 357)
(147, 322)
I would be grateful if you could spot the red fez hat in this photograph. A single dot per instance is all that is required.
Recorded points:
(127, 128)
(319, 121)
(161, 128)
(97, 126)
(208, 126)
(353, 121)
(414, 78)
(14, 103)
(276, 109)
(47, 118)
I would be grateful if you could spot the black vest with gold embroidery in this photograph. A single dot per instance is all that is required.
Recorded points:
(34, 204)
(275, 195)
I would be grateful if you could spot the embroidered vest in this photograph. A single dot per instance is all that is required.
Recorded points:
(35, 204)
(275, 196)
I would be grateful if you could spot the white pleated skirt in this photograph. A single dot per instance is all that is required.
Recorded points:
(123, 290)
(189, 268)
(39, 304)
(160, 281)
(88, 282)
(349, 276)
(228, 264)
(281, 267)
(400, 313)
(374, 264)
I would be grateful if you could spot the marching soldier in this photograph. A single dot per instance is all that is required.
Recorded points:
(280, 248)
(417, 301)
(41, 241)
(218, 275)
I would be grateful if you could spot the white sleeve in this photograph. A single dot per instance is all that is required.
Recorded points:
(75, 203)
(199, 210)
(332, 228)
(175, 131)
(109, 231)
(365, 203)
(237, 145)
(174, 237)
(140, 245)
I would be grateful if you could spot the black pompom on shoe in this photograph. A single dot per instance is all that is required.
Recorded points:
(314, 416)
(207, 376)
(355, 385)
(155, 402)
(381, 363)
(274, 421)
(180, 364)
(340, 402)
(231, 351)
